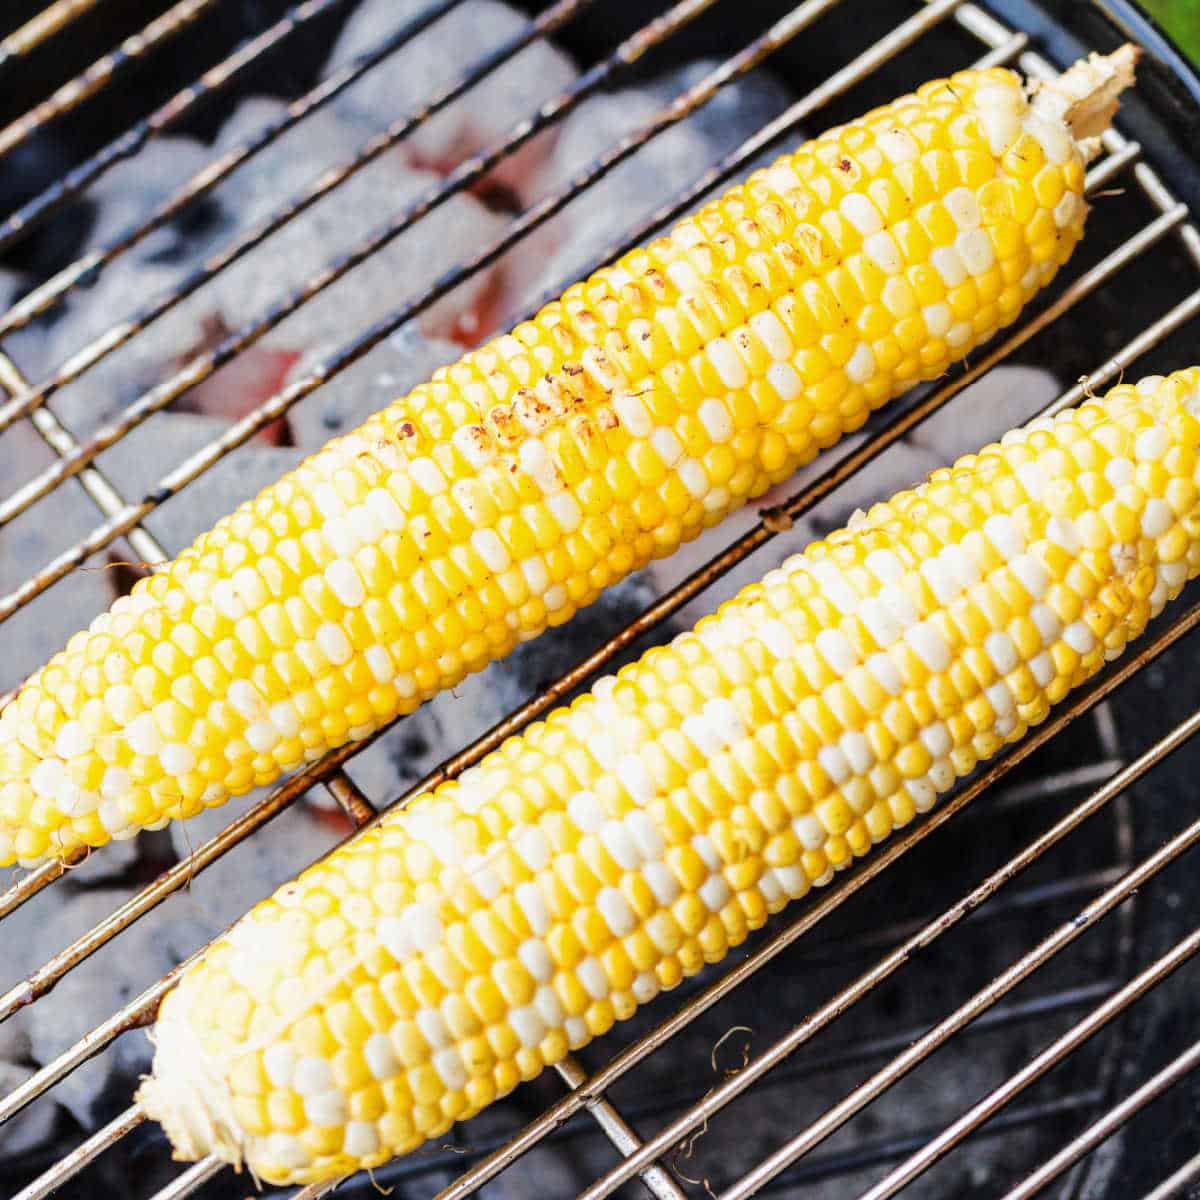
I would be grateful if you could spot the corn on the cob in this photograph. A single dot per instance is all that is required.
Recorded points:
(464, 943)
(500, 497)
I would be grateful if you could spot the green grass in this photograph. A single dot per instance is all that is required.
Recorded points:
(1181, 19)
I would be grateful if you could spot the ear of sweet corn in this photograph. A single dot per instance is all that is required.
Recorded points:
(459, 946)
(500, 497)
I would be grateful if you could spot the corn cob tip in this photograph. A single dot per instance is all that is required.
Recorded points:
(1087, 95)
(191, 1100)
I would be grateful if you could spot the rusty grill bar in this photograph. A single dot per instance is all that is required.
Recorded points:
(1103, 891)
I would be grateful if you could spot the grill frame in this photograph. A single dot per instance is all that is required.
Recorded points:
(588, 1094)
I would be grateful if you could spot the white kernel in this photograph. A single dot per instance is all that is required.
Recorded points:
(715, 418)
(577, 1031)
(1079, 637)
(566, 511)
(975, 251)
(405, 684)
(591, 974)
(360, 1140)
(959, 560)
(937, 740)
(786, 381)
(1151, 444)
(75, 801)
(1061, 531)
(922, 792)
(1047, 622)
(433, 1028)
(898, 145)
(534, 847)
(963, 208)
(645, 986)
(727, 363)
(427, 475)
(834, 764)
(47, 776)
(423, 925)
(533, 907)
(667, 446)
(645, 833)
(537, 575)
(345, 583)
(724, 714)
(385, 509)
(279, 1062)
(142, 733)
(1001, 128)
(246, 701)
(326, 1108)
(861, 213)
(1119, 472)
(860, 367)
(1157, 517)
(692, 476)
(1002, 651)
(882, 250)
(341, 538)
(949, 266)
(683, 275)
(227, 601)
(1051, 135)
(288, 1150)
(717, 500)
(586, 811)
(178, 758)
(810, 831)
(1173, 574)
(539, 466)
(381, 1058)
(661, 882)
(703, 846)
(115, 822)
(334, 643)
(72, 740)
(834, 585)
(857, 751)
(929, 646)
(312, 1076)
(533, 953)
(959, 334)
(328, 502)
(549, 1007)
(484, 876)
(941, 774)
(527, 1024)
(632, 772)
(556, 597)
(897, 602)
(885, 566)
(777, 638)
(773, 335)
(715, 893)
(886, 673)
(1033, 478)
(938, 318)
(618, 841)
(366, 527)
(615, 910)
(1033, 576)
(1000, 698)
(115, 783)
(837, 650)
(1005, 535)
(1067, 210)
(448, 1064)
(1042, 666)
(378, 661)
(491, 549)
(792, 880)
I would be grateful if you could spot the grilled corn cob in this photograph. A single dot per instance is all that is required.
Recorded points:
(462, 944)
(496, 500)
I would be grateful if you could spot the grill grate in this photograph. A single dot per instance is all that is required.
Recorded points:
(1105, 890)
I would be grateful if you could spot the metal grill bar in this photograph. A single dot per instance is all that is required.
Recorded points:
(996, 1100)
(1112, 1120)
(1005, 45)
(850, 995)
(1175, 1183)
(103, 72)
(71, 1164)
(42, 298)
(129, 143)
(42, 27)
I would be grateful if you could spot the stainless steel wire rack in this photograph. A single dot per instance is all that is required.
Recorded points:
(621, 1085)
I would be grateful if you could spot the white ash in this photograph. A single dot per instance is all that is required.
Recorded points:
(31, 1129)
(405, 81)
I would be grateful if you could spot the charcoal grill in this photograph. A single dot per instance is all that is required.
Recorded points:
(1065, 832)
